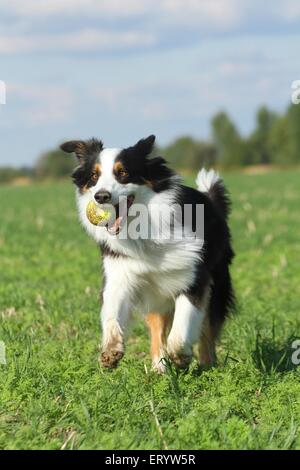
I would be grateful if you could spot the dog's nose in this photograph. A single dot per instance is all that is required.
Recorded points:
(102, 196)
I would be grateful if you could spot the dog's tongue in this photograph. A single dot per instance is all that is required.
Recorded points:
(115, 228)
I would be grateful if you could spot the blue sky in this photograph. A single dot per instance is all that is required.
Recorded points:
(123, 69)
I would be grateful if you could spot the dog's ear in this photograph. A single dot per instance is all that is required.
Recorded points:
(82, 148)
(145, 146)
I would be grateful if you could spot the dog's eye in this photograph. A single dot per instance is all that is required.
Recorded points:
(94, 177)
(123, 173)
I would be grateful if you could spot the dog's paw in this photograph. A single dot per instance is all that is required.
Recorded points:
(180, 360)
(109, 359)
(159, 366)
(180, 355)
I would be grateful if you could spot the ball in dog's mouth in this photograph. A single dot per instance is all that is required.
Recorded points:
(109, 216)
(114, 226)
(96, 214)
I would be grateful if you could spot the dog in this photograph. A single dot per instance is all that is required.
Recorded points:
(182, 284)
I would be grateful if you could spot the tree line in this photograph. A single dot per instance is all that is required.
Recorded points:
(275, 140)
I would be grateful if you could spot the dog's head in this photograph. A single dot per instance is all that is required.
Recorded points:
(110, 174)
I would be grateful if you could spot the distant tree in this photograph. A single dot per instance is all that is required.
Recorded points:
(279, 141)
(27, 171)
(259, 144)
(293, 132)
(285, 137)
(207, 153)
(8, 174)
(230, 146)
(189, 153)
(54, 164)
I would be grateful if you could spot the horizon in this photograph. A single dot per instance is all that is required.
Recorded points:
(120, 70)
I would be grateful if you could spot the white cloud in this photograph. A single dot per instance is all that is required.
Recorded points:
(41, 104)
(235, 69)
(50, 7)
(133, 24)
(156, 19)
(215, 12)
(83, 40)
(220, 12)
(288, 10)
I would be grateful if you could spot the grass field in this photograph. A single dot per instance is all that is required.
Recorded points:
(53, 393)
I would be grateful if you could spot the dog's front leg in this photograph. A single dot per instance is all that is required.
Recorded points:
(185, 331)
(114, 318)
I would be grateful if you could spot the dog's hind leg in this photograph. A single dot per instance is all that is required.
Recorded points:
(221, 302)
(158, 325)
(207, 343)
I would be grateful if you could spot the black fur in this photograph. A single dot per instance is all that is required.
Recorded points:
(87, 153)
(83, 148)
(219, 195)
(216, 254)
(82, 174)
(107, 251)
(144, 170)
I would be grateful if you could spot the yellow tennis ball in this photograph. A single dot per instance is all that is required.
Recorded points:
(96, 214)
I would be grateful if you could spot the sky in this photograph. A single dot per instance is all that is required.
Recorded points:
(120, 70)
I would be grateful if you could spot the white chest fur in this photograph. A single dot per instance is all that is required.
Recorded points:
(153, 273)
(155, 277)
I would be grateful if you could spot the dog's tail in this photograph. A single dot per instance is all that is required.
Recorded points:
(222, 299)
(210, 182)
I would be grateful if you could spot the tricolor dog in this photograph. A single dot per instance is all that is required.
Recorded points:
(161, 255)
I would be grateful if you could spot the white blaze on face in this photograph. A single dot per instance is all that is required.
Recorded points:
(122, 195)
(107, 180)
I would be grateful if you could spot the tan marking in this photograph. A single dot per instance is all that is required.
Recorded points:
(97, 171)
(158, 325)
(84, 189)
(148, 183)
(97, 168)
(118, 166)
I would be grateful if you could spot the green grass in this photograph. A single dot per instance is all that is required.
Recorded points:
(53, 393)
